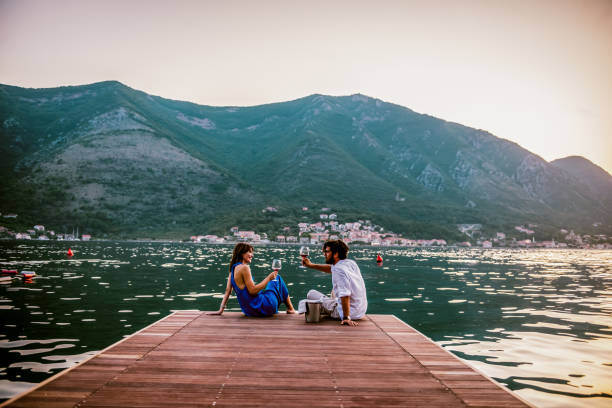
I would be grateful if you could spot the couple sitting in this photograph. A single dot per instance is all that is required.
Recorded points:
(347, 304)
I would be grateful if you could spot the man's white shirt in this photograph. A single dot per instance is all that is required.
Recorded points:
(347, 281)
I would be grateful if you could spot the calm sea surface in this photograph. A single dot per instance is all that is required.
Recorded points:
(538, 321)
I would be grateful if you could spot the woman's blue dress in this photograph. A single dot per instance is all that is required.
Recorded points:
(266, 302)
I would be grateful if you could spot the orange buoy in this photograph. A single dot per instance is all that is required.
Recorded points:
(70, 252)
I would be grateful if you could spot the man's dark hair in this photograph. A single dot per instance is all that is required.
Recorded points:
(337, 247)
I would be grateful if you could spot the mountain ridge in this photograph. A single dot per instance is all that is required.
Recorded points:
(354, 153)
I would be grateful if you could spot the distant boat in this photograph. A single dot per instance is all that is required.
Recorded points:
(6, 279)
(28, 274)
(9, 272)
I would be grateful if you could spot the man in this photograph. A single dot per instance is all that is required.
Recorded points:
(348, 302)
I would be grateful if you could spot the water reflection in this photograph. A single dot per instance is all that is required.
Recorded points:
(538, 321)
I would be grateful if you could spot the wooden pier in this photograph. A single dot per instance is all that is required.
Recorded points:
(190, 359)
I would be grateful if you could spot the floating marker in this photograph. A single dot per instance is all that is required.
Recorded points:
(70, 252)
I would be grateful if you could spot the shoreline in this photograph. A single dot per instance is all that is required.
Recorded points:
(263, 244)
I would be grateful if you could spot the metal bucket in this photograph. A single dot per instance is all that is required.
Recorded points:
(313, 311)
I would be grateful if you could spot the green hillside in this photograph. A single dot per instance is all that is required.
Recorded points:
(121, 163)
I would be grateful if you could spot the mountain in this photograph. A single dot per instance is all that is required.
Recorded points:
(120, 162)
(594, 177)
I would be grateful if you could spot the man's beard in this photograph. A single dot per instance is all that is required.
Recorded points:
(330, 260)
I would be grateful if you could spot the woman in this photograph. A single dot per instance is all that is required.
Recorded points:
(262, 299)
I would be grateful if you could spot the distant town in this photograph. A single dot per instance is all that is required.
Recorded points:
(38, 232)
(360, 232)
(366, 233)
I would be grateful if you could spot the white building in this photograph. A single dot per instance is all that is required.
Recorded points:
(246, 234)
(520, 228)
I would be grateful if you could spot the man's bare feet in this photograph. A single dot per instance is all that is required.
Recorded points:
(291, 311)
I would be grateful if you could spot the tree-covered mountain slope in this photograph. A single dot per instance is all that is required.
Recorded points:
(124, 163)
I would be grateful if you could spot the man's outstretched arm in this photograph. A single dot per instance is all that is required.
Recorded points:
(319, 267)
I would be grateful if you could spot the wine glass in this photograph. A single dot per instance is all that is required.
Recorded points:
(276, 265)
(304, 252)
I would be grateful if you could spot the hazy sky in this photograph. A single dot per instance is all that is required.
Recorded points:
(537, 72)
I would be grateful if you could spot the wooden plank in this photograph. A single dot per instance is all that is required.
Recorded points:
(190, 359)
(444, 366)
(71, 378)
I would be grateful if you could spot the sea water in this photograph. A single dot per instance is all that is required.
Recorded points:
(537, 321)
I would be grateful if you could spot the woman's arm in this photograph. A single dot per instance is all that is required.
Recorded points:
(228, 292)
(252, 288)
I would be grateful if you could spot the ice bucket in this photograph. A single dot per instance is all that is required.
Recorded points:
(313, 311)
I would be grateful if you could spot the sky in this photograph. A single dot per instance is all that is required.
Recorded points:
(537, 72)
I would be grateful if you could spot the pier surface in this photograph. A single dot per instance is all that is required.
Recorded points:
(190, 359)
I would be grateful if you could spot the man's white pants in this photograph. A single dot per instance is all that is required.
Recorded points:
(328, 305)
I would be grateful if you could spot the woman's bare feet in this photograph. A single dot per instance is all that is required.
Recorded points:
(290, 309)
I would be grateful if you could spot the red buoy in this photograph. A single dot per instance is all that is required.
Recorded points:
(378, 258)
(70, 252)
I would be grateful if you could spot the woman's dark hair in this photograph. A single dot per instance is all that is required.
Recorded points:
(240, 249)
(337, 247)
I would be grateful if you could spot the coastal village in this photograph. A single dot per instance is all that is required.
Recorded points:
(358, 232)
(364, 232)
(39, 233)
